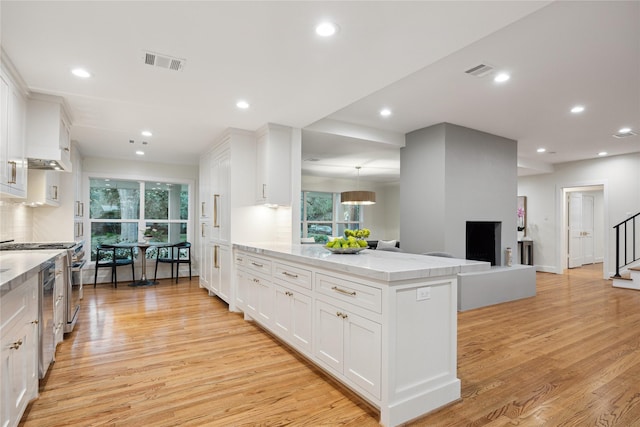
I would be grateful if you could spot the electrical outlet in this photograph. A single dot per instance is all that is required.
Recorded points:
(423, 294)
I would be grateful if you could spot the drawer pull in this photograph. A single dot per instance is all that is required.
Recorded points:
(239, 259)
(35, 322)
(286, 273)
(16, 345)
(287, 293)
(256, 281)
(343, 291)
(257, 265)
(341, 314)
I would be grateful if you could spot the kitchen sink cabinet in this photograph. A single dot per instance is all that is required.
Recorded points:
(48, 130)
(18, 351)
(13, 162)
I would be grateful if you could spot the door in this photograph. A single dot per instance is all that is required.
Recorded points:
(576, 256)
(588, 246)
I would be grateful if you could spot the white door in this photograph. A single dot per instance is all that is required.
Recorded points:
(588, 246)
(575, 230)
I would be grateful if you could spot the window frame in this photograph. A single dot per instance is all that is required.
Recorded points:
(141, 221)
(334, 223)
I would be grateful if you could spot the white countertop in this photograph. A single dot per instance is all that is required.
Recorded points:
(18, 266)
(373, 264)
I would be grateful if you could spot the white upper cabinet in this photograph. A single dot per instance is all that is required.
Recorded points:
(44, 187)
(48, 130)
(273, 164)
(13, 164)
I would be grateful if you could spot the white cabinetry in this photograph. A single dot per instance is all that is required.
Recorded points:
(13, 164)
(48, 130)
(59, 290)
(390, 339)
(78, 205)
(273, 159)
(44, 187)
(226, 190)
(18, 351)
(350, 345)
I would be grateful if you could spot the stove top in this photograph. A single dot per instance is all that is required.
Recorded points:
(11, 246)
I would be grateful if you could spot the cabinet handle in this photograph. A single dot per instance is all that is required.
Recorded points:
(257, 265)
(202, 209)
(81, 229)
(286, 273)
(289, 294)
(239, 259)
(66, 149)
(82, 209)
(341, 314)
(215, 256)
(35, 322)
(202, 230)
(256, 281)
(55, 192)
(264, 187)
(16, 345)
(215, 210)
(14, 172)
(343, 291)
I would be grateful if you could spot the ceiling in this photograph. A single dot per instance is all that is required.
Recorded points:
(407, 56)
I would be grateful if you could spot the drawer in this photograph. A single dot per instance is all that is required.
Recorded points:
(240, 259)
(353, 293)
(258, 265)
(292, 275)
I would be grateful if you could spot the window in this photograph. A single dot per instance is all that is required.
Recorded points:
(323, 215)
(122, 210)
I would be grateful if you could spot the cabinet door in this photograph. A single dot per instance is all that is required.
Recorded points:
(205, 258)
(224, 276)
(13, 168)
(282, 319)
(273, 160)
(329, 336)
(242, 291)
(215, 269)
(301, 321)
(265, 302)
(362, 352)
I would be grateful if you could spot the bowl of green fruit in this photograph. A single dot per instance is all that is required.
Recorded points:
(352, 243)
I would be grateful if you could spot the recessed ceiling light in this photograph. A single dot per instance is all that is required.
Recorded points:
(81, 72)
(146, 133)
(501, 78)
(602, 153)
(577, 109)
(624, 130)
(140, 153)
(385, 112)
(541, 150)
(243, 105)
(326, 29)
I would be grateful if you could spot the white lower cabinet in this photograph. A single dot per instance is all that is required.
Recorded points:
(220, 274)
(260, 299)
(58, 301)
(19, 351)
(292, 317)
(350, 345)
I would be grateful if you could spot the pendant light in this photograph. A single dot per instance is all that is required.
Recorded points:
(358, 197)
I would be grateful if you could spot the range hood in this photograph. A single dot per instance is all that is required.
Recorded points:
(48, 133)
(42, 164)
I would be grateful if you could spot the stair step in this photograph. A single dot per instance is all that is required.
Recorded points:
(622, 277)
(634, 268)
(625, 282)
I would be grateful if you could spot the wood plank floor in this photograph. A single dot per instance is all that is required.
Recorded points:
(170, 355)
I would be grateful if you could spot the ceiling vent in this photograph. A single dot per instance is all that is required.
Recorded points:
(624, 135)
(163, 61)
(480, 70)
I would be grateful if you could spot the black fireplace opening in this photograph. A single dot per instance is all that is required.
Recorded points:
(483, 241)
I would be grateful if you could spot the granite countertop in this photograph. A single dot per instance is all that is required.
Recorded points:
(18, 266)
(372, 264)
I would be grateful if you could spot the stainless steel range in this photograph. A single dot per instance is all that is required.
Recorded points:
(73, 273)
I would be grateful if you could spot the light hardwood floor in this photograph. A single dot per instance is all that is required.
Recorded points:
(170, 355)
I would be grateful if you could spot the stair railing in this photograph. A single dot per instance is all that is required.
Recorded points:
(628, 256)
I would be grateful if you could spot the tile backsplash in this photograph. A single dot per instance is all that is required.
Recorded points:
(15, 221)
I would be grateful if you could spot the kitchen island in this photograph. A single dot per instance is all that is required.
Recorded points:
(382, 323)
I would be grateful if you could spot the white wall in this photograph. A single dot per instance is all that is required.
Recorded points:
(383, 218)
(15, 221)
(620, 176)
